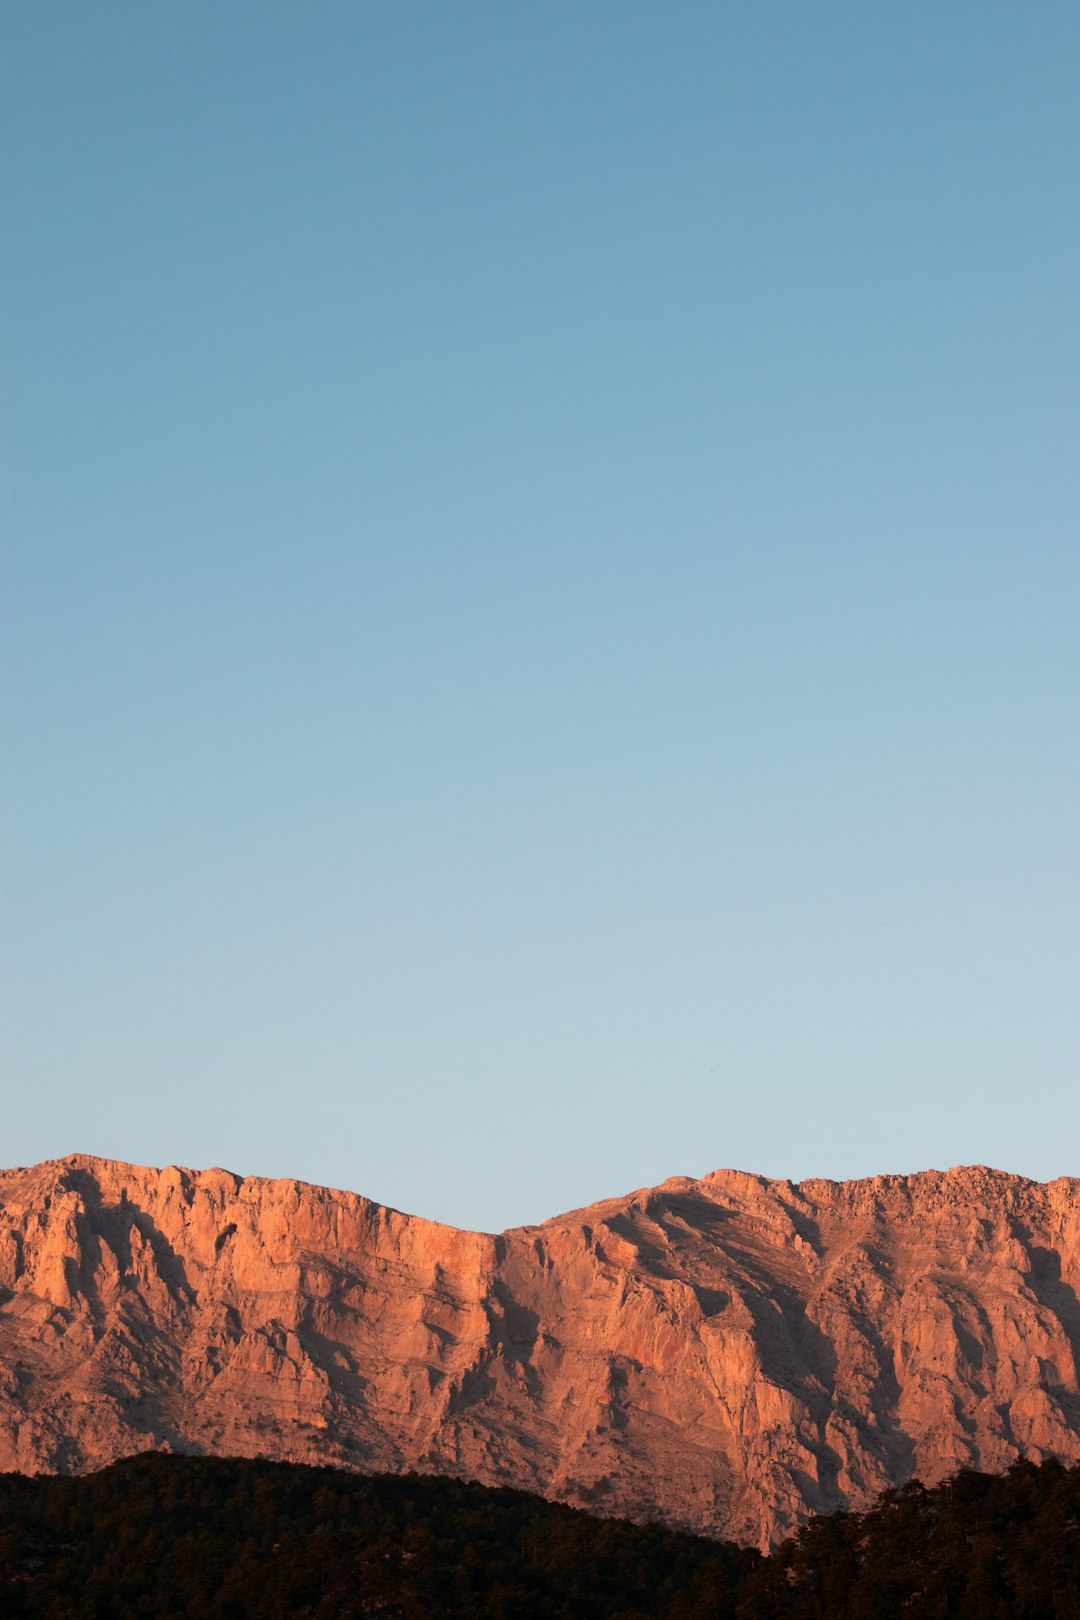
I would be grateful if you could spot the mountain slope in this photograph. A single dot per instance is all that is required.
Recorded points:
(729, 1355)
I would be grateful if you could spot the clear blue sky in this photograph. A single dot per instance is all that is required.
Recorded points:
(540, 591)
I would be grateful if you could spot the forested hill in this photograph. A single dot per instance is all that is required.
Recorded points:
(222, 1539)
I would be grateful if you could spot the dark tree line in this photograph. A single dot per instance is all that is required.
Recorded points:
(218, 1539)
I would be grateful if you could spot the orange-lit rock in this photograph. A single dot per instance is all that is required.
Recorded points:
(729, 1355)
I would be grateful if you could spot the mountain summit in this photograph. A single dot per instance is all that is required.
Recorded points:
(729, 1355)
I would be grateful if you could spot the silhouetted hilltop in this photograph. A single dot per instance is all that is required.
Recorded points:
(158, 1537)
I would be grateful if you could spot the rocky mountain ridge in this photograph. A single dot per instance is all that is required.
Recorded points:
(729, 1355)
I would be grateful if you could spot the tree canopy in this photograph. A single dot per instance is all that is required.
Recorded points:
(228, 1539)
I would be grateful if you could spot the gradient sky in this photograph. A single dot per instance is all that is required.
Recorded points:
(540, 591)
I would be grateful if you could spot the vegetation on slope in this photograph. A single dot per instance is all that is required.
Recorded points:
(227, 1540)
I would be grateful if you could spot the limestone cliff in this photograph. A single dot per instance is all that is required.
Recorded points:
(729, 1355)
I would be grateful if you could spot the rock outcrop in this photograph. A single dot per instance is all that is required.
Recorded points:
(729, 1355)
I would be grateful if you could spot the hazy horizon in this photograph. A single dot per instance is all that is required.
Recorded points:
(539, 593)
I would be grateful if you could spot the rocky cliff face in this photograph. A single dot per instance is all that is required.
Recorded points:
(729, 1355)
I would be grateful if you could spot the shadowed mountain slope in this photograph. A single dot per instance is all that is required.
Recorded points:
(729, 1355)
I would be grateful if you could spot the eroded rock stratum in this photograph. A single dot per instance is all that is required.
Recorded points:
(729, 1355)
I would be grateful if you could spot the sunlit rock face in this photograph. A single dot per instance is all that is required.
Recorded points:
(728, 1355)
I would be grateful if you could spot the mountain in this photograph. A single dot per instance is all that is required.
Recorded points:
(729, 1356)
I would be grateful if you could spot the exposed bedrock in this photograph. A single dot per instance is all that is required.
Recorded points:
(729, 1355)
